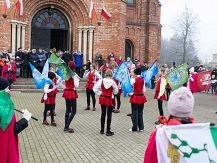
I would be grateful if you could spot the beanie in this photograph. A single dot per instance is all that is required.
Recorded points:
(71, 65)
(181, 102)
(3, 83)
(51, 75)
(137, 71)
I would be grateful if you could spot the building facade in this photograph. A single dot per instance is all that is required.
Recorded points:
(134, 29)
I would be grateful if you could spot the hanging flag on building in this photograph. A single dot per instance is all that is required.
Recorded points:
(177, 77)
(122, 75)
(105, 13)
(187, 143)
(92, 12)
(19, 6)
(7, 5)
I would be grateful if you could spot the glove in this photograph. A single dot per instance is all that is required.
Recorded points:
(27, 115)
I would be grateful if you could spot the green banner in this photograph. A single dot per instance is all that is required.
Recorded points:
(177, 77)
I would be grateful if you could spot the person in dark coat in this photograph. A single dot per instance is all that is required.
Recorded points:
(19, 60)
(9, 127)
(41, 59)
(67, 57)
(33, 58)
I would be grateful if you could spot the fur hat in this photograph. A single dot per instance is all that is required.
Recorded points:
(3, 83)
(71, 65)
(181, 102)
(137, 71)
(51, 75)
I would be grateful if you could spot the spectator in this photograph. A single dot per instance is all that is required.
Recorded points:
(99, 60)
(214, 71)
(129, 63)
(33, 58)
(67, 57)
(197, 67)
(119, 60)
(5, 55)
(8, 72)
(19, 60)
(26, 69)
(111, 57)
(78, 59)
(144, 67)
(41, 59)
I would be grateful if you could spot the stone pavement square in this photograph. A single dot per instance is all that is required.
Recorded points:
(41, 144)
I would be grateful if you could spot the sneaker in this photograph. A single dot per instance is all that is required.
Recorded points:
(129, 114)
(157, 122)
(53, 124)
(102, 132)
(109, 133)
(94, 109)
(68, 130)
(131, 130)
(45, 123)
(141, 130)
(88, 108)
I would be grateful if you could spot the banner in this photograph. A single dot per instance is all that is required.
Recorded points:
(122, 75)
(191, 143)
(204, 80)
(177, 77)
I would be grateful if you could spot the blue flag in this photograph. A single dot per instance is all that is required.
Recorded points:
(148, 74)
(45, 69)
(122, 75)
(38, 78)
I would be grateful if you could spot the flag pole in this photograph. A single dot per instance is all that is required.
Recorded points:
(23, 113)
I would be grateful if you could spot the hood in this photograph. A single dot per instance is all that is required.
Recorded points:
(108, 83)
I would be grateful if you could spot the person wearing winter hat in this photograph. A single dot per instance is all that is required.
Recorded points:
(137, 101)
(49, 98)
(160, 92)
(180, 107)
(9, 128)
(92, 76)
(106, 88)
(70, 95)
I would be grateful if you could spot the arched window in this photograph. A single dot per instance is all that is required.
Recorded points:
(129, 49)
(130, 2)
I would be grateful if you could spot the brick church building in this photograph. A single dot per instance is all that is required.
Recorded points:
(133, 30)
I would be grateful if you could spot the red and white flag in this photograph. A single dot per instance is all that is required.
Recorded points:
(105, 13)
(7, 4)
(92, 11)
(19, 6)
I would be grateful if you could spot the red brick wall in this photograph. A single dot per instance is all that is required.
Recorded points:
(139, 23)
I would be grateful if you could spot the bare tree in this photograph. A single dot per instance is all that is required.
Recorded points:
(185, 27)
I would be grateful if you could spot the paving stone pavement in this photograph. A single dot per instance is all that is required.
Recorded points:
(40, 143)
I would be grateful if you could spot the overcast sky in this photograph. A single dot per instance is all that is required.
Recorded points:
(206, 11)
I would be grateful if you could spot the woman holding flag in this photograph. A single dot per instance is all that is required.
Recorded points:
(106, 88)
(137, 101)
(92, 75)
(70, 95)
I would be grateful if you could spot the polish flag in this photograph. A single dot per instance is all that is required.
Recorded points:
(92, 11)
(105, 13)
(19, 6)
(7, 4)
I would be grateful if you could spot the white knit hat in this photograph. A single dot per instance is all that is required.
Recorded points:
(181, 103)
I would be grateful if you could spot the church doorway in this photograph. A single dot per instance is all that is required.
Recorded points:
(49, 29)
(129, 49)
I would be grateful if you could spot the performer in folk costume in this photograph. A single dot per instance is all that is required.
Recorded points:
(160, 92)
(9, 72)
(137, 101)
(92, 76)
(70, 95)
(180, 107)
(9, 128)
(192, 81)
(49, 98)
(106, 88)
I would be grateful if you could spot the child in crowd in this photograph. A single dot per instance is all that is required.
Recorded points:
(160, 92)
(106, 88)
(180, 107)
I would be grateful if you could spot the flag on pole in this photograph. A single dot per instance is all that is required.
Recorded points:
(92, 11)
(38, 78)
(19, 6)
(45, 69)
(65, 70)
(187, 143)
(177, 77)
(122, 75)
(105, 13)
(148, 74)
(7, 5)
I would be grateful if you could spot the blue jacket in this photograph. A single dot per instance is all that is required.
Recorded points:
(78, 59)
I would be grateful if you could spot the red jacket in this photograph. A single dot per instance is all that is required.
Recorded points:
(5, 72)
(106, 97)
(90, 81)
(157, 91)
(69, 91)
(138, 95)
